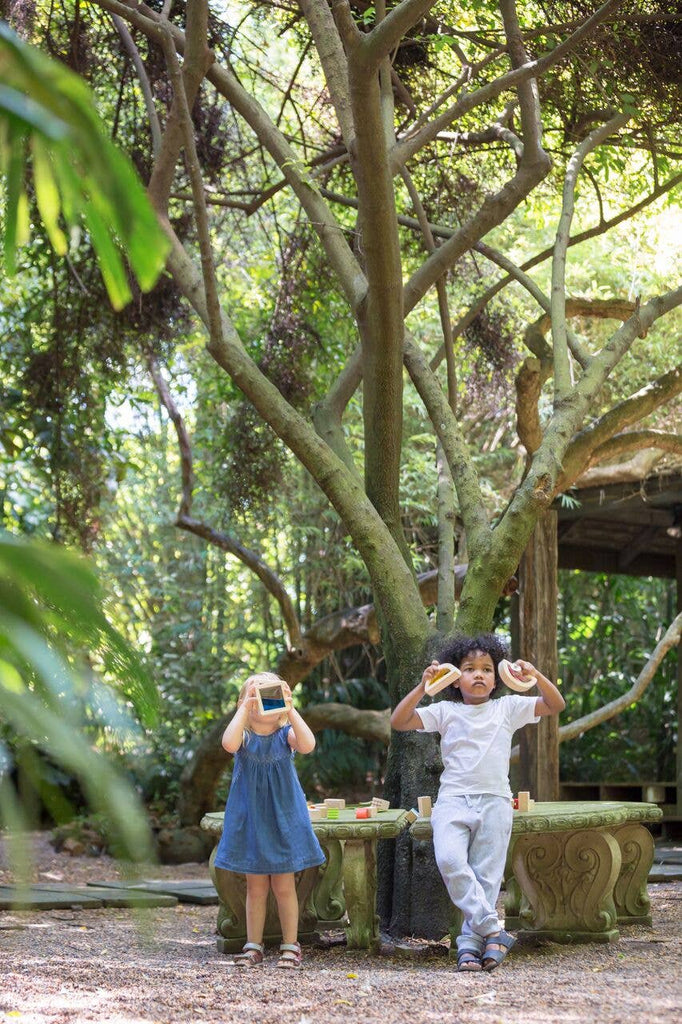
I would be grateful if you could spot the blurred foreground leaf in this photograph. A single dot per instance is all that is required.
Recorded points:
(56, 648)
(48, 123)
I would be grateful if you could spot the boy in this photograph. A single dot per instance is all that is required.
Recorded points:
(472, 817)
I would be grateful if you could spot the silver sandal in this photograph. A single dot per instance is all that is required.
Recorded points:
(250, 956)
(289, 956)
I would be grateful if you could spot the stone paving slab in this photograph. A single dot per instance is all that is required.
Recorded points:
(107, 896)
(191, 890)
(32, 898)
(668, 854)
(665, 873)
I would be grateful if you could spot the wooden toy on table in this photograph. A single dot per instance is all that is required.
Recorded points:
(524, 802)
(316, 813)
(424, 806)
(337, 802)
(411, 815)
(366, 812)
(445, 675)
(332, 813)
(514, 677)
(381, 805)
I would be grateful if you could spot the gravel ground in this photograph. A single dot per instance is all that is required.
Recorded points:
(162, 966)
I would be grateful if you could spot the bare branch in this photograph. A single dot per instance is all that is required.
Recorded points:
(224, 541)
(386, 35)
(143, 78)
(459, 459)
(562, 370)
(533, 69)
(330, 51)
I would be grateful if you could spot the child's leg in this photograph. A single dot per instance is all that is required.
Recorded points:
(257, 888)
(453, 823)
(489, 843)
(284, 888)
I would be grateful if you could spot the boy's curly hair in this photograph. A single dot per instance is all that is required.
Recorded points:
(457, 649)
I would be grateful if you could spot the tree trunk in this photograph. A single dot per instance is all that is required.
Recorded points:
(534, 629)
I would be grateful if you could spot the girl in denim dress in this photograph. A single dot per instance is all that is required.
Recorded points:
(267, 833)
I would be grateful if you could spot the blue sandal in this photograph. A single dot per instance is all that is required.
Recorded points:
(492, 958)
(468, 960)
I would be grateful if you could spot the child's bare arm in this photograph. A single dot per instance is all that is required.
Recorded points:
(234, 734)
(550, 701)
(301, 737)
(404, 715)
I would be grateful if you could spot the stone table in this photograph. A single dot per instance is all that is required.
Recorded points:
(345, 886)
(575, 870)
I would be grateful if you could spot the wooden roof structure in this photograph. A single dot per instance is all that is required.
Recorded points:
(626, 528)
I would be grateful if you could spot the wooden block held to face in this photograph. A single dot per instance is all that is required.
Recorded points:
(424, 806)
(445, 675)
(513, 676)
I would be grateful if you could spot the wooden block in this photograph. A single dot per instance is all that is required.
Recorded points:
(524, 801)
(334, 802)
(316, 813)
(381, 805)
(411, 815)
(424, 806)
(445, 675)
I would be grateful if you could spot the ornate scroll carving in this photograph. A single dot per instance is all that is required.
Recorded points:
(633, 905)
(567, 880)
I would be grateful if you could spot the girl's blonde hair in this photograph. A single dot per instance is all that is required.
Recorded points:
(263, 677)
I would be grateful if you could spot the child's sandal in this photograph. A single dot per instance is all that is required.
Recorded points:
(289, 956)
(250, 956)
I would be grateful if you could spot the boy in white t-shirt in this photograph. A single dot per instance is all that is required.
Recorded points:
(472, 817)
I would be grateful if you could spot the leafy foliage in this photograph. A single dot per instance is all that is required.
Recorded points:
(57, 652)
(77, 172)
(608, 627)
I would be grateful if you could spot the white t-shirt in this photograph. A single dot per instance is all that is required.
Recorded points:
(475, 742)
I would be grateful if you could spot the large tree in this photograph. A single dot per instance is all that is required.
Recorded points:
(396, 98)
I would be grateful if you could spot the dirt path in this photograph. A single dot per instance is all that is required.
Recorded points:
(120, 968)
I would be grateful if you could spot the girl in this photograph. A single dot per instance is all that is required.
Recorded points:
(472, 817)
(267, 833)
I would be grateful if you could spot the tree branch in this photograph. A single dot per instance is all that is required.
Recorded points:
(581, 452)
(533, 69)
(224, 541)
(562, 369)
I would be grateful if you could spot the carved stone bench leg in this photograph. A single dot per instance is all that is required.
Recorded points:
(630, 893)
(360, 888)
(566, 881)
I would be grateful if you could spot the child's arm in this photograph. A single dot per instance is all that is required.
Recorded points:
(301, 737)
(234, 734)
(405, 716)
(550, 701)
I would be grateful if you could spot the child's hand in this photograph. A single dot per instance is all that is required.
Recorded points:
(288, 700)
(527, 668)
(250, 702)
(429, 673)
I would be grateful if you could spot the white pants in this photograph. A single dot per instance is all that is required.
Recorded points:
(470, 839)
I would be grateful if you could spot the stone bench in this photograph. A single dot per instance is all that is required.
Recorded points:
(343, 887)
(575, 870)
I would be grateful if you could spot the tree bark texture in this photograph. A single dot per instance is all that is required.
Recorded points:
(535, 607)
